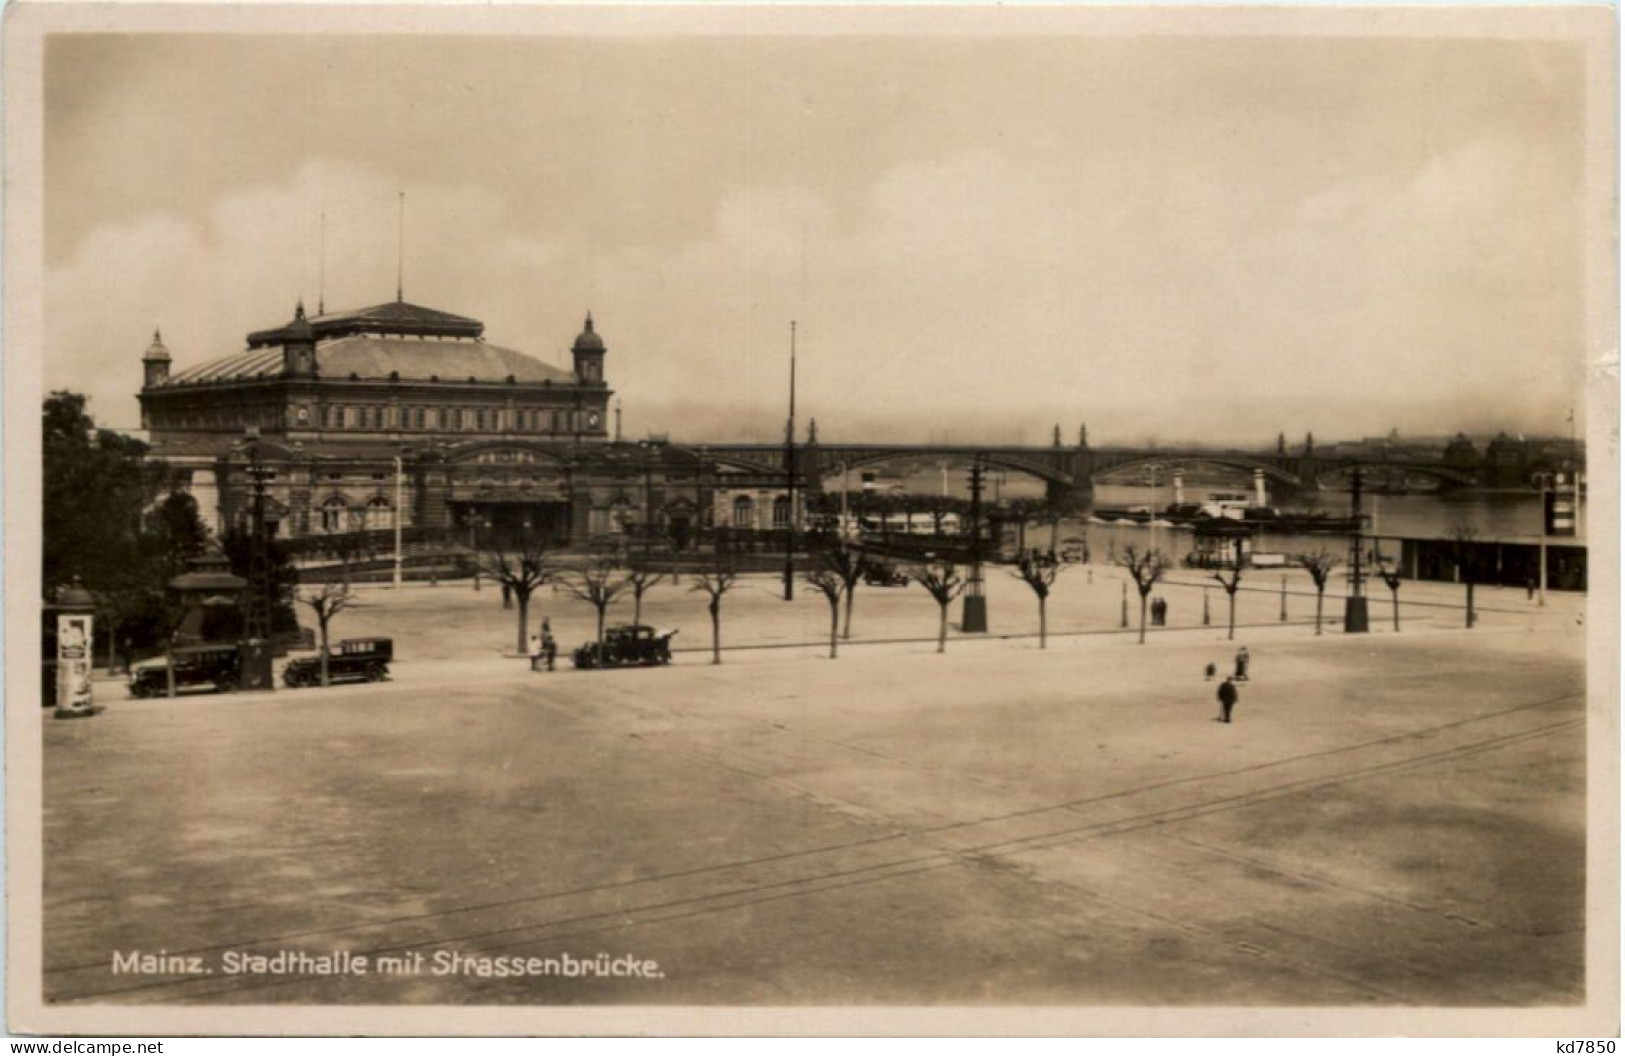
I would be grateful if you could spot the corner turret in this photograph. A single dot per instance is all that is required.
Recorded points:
(299, 346)
(588, 352)
(155, 362)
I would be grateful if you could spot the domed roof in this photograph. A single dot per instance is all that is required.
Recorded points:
(588, 340)
(300, 329)
(157, 350)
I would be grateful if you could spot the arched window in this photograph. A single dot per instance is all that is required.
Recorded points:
(744, 512)
(333, 514)
(380, 514)
(620, 511)
(781, 511)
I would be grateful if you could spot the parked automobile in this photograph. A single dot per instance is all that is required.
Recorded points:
(195, 665)
(626, 645)
(884, 574)
(356, 659)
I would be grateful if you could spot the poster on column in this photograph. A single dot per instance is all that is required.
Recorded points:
(73, 638)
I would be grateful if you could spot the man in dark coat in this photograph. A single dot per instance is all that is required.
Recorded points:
(1227, 699)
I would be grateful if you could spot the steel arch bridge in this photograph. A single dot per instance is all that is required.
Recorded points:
(1071, 472)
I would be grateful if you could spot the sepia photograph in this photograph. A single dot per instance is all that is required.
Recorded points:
(811, 520)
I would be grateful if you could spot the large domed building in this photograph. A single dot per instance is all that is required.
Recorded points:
(347, 410)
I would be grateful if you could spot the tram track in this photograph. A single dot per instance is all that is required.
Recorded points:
(730, 886)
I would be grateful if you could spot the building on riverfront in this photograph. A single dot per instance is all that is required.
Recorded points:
(354, 412)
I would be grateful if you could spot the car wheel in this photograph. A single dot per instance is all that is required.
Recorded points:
(376, 672)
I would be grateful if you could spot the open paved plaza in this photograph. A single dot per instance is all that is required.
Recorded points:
(1391, 819)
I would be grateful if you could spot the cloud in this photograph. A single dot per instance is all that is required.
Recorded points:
(971, 292)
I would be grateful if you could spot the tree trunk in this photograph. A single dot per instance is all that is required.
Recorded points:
(321, 621)
(1470, 620)
(1320, 599)
(169, 666)
(524, 622)
(1232, 614)
(1142, 617)
(637, 606)
(601, 609)
(851, 588)
(716, 630)
(1043, 624)
(1395, 593)
(834, 625)
(112, 647)
(942, 628)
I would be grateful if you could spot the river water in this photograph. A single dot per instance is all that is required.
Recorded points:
(1495, 516)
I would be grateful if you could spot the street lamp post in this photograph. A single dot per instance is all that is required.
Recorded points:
(1544, 481)
(790, 479)
(400, 477)
(1151, 520)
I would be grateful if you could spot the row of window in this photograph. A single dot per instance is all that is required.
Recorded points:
(337, 515)
(744, 512)
(476, 419)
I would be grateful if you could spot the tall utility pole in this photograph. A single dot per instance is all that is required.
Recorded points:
(1355, 616)
(254, 653)
(790, 479)
(973, 618)
(400, 480)
(257, 620)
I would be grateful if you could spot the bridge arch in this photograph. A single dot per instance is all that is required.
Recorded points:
(1443, 474)
(831, 460)
(1106, 466)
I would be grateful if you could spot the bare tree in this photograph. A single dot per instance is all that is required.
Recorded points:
(1145, 568)
(1463, 538)
(1319, 565)
(847, 565)
(326, 600)
(944, 584)
(832, 587)
(1040, 576)
(641, 579)
(714, 582)
(520, 566)
(598, 585)
(1230, 586)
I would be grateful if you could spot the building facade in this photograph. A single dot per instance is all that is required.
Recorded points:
(353, 416)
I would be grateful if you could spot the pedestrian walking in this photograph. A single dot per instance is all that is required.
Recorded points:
(1212, 670)
(1243, 658)
(536, 653)
(1227, 699)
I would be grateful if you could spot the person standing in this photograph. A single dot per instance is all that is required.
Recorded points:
(550, 648)
(1243, 658)
(536, 652)
(1227, 699)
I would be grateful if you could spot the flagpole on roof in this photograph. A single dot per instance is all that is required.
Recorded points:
(400, 248)
(321, 270)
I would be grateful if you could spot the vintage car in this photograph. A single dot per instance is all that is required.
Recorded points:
(884, 574)
(195, 665)
(626, 645)
(363, 659)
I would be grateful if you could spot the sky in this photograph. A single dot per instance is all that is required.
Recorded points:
(1171, 239)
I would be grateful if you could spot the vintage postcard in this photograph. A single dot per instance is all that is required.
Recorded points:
(779, 520)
